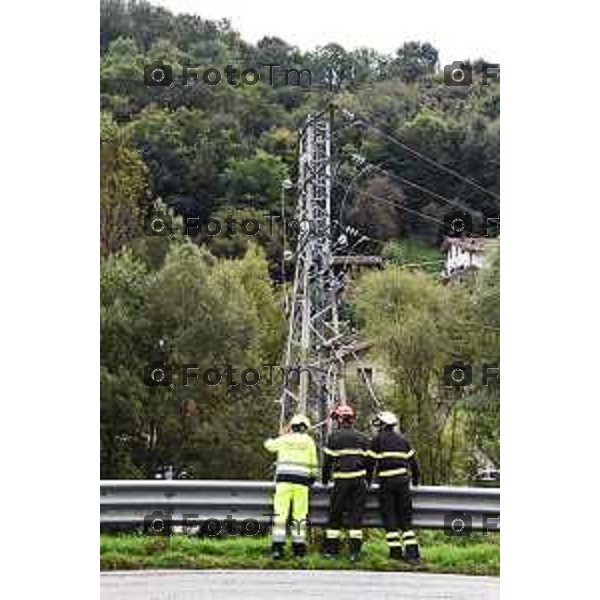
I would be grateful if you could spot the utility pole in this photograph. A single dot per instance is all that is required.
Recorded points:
(314, 337)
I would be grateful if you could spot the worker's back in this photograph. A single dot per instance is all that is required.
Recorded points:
(296, 457)
(394, 455)
(346, 452)
(296, 470)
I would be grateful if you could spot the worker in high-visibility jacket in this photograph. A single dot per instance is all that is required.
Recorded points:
(296, 471)
(395, 466)
(346, 460)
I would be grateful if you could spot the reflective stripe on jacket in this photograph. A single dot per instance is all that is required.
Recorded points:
(296, 457)
(394, 456)
(346, 455)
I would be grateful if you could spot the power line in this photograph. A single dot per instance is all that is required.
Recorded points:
(366, 167)
(401, 206)
(426, 190)
(428, 159)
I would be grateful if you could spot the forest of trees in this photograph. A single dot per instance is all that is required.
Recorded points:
(213, 151)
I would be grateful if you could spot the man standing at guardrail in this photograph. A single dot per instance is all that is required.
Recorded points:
(346, 460)
(394, 459)
(296, 471)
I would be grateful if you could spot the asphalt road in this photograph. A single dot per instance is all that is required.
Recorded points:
(275, 585)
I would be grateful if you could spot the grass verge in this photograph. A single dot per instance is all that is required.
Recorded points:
(477, 555)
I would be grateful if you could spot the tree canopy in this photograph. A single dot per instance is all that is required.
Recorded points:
(416, 150)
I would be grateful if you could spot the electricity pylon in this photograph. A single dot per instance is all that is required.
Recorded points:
(314, 338)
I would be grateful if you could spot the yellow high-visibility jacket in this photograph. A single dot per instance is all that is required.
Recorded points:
(296, 457)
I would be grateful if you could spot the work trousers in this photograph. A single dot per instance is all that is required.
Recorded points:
(396, 509)
(294, 496)
(348, 496)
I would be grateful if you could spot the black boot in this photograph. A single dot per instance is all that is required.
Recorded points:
(299, 549)
(411, 553)
(277, 550)
(396, 553)
(331, 548)
(355, 545)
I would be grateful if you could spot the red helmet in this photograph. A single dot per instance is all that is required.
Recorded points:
(343, 412)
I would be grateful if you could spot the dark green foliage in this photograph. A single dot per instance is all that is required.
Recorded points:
(217, 151)
(207, 146)
(209, 312)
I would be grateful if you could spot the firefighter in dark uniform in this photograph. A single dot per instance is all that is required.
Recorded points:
(346, 461)
(394, 459)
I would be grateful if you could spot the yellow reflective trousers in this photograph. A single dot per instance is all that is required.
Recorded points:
(296, 496)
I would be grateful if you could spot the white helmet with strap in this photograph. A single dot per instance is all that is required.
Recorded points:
(385, 418)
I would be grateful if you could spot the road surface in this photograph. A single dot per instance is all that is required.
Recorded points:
(275, 585)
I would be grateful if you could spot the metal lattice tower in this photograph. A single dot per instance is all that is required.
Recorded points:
(314, 336)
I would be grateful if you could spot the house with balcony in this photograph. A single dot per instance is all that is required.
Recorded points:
(464, 255)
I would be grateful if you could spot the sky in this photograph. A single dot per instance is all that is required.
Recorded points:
(459, 30)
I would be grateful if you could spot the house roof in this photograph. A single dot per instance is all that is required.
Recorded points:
(470, 244)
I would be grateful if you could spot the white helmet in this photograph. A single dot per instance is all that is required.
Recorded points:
(298, 420)
(385, 418)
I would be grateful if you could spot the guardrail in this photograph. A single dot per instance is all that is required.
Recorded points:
(127, 502)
